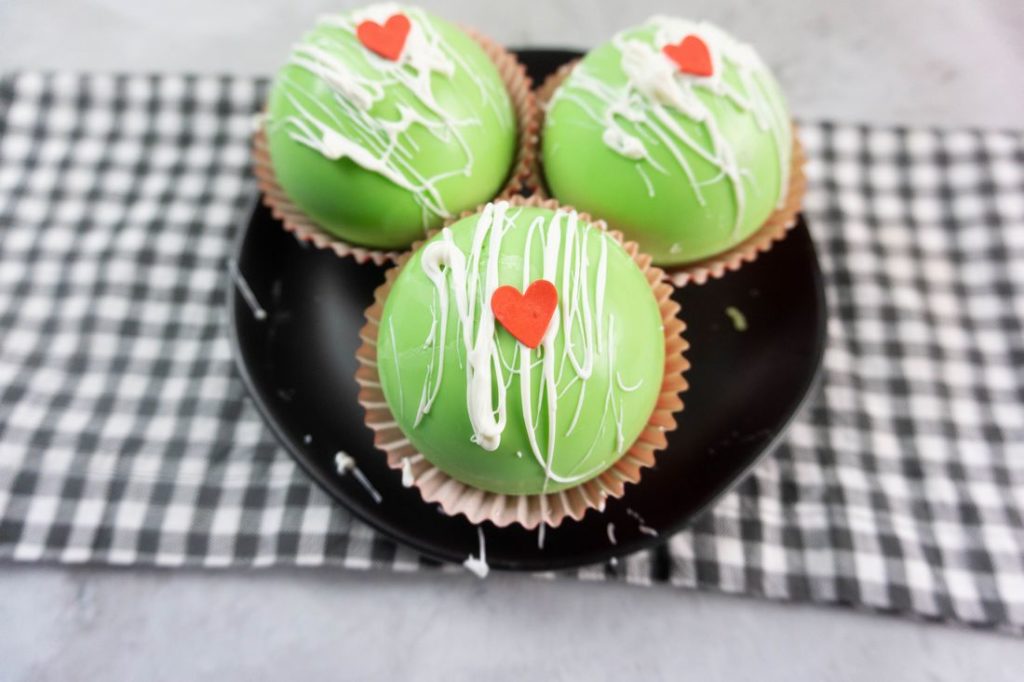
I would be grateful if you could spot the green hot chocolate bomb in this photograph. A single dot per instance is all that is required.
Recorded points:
(385, 121)
(483, 406)
(676, 134)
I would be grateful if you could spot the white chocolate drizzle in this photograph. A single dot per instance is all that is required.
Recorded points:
(398, 367)
(343, 464)
(408, 479)
(358, 80)
(640, 114)
(641, 524)
(586, 333)
(246, 291)
(477, 565)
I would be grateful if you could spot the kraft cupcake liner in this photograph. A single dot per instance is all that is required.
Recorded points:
(294, 220)
(774, 229)
(529, 511)
(547, 89)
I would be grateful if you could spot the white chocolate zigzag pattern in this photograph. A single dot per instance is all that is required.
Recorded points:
(467, 281)
(639, 115)
(348, 128)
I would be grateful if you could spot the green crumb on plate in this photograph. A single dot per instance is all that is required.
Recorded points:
(739, 320)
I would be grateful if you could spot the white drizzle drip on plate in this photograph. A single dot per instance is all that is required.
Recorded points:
(477, 565)
(641, 524)
(358, 80)
(246, 291)
(343, 464)
(641, 114)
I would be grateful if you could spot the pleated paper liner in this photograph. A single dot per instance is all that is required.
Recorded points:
(520, 89)
(774, 229)
(529, 511)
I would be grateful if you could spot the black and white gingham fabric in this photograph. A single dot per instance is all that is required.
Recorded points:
(125, 437)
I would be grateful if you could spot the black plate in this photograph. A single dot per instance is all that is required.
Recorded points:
(299, 367)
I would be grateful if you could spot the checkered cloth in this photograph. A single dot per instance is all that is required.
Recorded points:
(125, 437)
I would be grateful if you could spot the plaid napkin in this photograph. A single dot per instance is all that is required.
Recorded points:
(125, 437)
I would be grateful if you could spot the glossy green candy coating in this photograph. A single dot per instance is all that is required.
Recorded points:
(679, 211)
(440, 119)
(626, 362)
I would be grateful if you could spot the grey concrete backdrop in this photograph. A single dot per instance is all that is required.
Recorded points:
(947, 62)
(916, 61)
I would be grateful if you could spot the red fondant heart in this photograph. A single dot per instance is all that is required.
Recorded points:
(691, 55)
(526, 316)
(387, 40)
